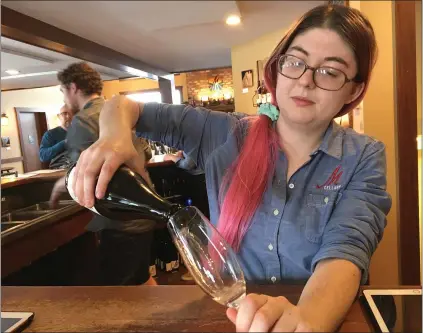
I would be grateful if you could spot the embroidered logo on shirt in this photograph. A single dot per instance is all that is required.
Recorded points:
(332, 182)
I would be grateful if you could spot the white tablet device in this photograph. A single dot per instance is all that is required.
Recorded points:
(15, 321)
(395, 310)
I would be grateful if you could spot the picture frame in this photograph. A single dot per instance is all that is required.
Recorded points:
(260, 69)
(247, 78)
(5, 141)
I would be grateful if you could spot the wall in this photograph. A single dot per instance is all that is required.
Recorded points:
(49, 98)
(379, 121)
(198, 82)
(245, 57)
(115, 87)
(378, 116)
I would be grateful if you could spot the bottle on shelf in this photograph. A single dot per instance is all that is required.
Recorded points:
(264, 93)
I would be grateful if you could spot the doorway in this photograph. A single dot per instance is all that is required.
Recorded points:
(32, 124)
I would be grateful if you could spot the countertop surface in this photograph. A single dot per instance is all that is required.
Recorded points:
(47, 175)
(31, 177)
(165, 308)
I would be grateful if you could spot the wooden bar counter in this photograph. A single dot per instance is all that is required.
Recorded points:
(54, 175)
(162, 308)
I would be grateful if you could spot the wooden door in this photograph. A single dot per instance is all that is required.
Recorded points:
(406, 106)
(32, 125)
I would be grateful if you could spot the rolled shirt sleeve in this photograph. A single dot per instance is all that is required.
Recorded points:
(359, 218)
(196, 131)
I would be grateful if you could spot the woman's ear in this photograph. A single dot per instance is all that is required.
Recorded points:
(72, 87)
(355, 92)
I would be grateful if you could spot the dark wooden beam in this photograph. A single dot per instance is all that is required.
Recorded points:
(201, 69)
(23, 28)
(406, 118)
(165, 87)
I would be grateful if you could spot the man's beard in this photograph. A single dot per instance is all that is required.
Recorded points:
(75, 109)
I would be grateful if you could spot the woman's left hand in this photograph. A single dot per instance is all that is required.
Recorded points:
(262, 313)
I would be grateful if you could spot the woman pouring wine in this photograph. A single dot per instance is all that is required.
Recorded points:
(301, 199)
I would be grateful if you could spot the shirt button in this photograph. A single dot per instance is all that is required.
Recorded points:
(273, 279)
(270, 247)
(275, 212)
(291, 186)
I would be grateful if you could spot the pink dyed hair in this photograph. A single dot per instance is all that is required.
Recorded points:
(247, 179)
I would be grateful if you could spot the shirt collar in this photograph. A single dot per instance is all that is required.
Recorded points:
(332, 141)
(92, 101)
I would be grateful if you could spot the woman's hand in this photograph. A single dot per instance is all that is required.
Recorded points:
(102, 159)
(262, 313)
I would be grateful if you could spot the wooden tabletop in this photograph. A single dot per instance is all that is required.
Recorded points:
(170, 308)
(10, 182)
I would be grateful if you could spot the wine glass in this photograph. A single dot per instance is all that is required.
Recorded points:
(210, 260)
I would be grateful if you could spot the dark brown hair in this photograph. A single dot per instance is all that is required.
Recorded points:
(248, 176)
(86, 78)
(350, 24)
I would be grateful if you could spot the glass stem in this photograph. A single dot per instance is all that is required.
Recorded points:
(236, 302)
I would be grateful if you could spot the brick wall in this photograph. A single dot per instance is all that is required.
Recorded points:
(198, 82)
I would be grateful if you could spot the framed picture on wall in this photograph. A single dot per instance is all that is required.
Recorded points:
(260, 69)
(247, 78)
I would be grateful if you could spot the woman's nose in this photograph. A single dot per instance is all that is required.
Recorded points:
(306, 80)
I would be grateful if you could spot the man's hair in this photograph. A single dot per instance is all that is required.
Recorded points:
(86, 78)
(64, 107)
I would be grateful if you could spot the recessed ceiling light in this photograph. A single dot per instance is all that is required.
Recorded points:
(12, 72)
(233, 20)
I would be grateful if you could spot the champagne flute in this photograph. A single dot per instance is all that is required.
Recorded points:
(210, 260)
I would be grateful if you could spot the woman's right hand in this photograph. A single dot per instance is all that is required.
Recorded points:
(102, 159)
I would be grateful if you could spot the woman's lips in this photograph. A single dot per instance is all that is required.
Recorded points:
(302, 101)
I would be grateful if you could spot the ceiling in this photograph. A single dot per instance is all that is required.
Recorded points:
(45, 64)
(174, 35)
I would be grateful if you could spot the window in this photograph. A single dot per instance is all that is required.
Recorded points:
(154, 96)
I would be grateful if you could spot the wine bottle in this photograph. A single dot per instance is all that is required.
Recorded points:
(211, 261)
(263, 93)
(259, 88)
(128, 197)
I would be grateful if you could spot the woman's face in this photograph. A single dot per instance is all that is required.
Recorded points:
(300, 101)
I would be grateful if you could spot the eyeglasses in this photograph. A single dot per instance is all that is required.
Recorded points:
(326, 78)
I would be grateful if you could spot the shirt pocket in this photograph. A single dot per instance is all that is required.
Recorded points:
(319, 207)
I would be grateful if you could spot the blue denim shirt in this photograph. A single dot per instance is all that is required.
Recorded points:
(334, 206)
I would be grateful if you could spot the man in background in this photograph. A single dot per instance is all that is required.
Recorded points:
(124, 246)
(53, 144)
